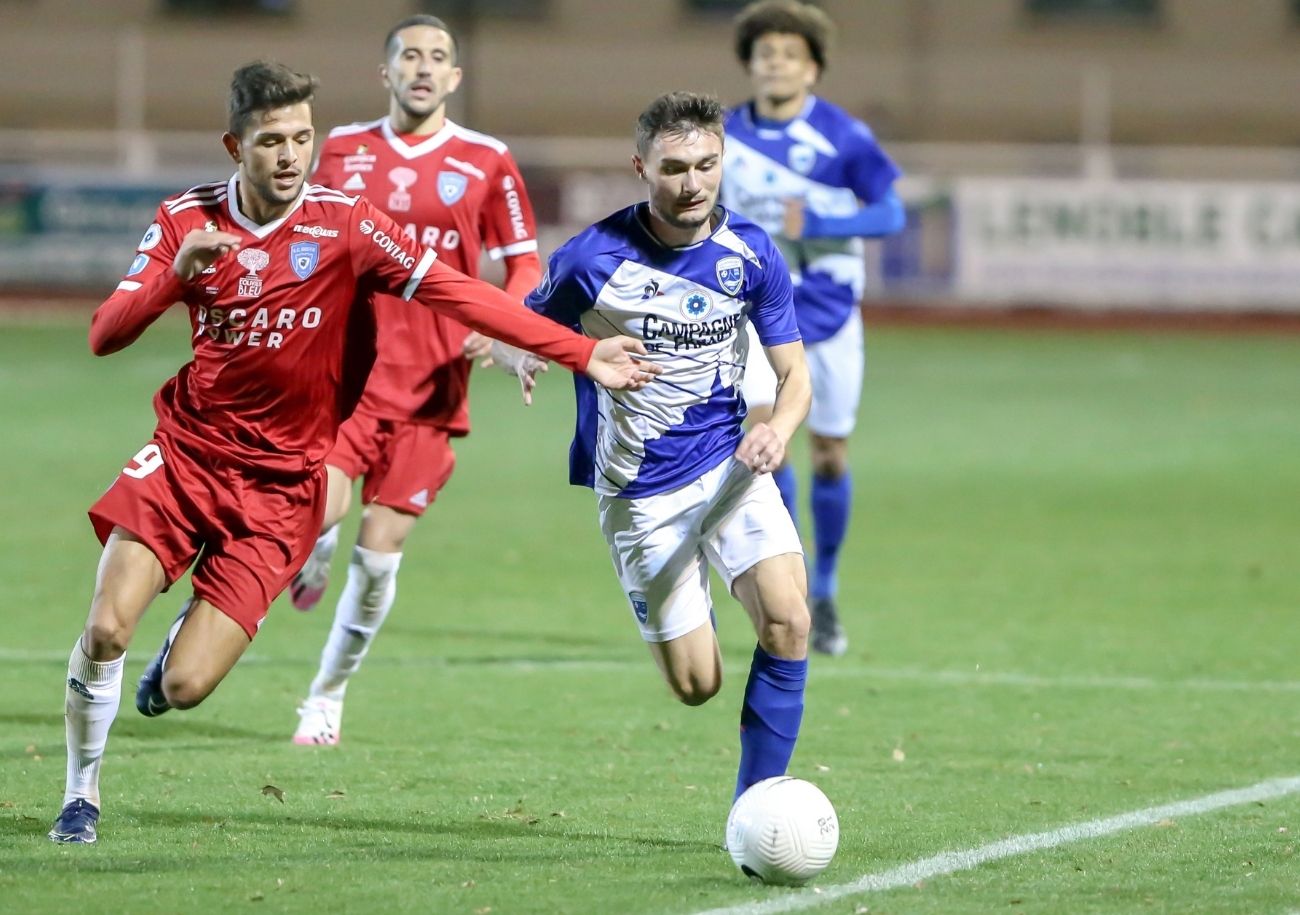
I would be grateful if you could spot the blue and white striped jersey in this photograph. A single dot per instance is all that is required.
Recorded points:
(690, 306)
(829, 159)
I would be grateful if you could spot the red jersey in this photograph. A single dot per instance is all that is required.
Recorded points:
(283, 331)
(455, 191)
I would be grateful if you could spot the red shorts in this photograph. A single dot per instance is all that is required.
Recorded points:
(405, 464)
(251, 534)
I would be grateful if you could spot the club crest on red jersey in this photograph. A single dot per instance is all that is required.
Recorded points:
(402, 178)
(451, 186)
(253, 260)
(304, 256)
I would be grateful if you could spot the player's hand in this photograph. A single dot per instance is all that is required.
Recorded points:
(614, 366)
(477, 346)
(518, 362)
(761, 450)
(793, 221)
(200, 249)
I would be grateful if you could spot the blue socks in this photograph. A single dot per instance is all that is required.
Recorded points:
(831, 499)
(788, 485)
(769, 721)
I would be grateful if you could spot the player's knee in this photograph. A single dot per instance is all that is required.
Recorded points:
(830, 459)
(784, 632)
(106, 636)
(697, 690)
(184, 689)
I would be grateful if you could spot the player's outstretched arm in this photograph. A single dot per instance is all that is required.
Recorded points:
(513, 361)
(614, 366)
(137, 303)
(763, 448)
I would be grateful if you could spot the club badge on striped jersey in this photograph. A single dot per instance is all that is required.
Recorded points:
(304, 256)
(731, 273)
(802, 158)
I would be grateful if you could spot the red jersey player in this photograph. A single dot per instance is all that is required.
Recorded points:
(277, 277)
(457, 192)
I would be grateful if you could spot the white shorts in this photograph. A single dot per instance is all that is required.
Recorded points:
(663, 545)
(835, 366)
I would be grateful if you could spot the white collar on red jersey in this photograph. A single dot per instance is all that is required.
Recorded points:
(232, 206)
(425, 146)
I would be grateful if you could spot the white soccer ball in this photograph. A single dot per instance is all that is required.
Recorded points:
(782, 830)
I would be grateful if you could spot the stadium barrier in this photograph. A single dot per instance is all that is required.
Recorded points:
(1174, 229)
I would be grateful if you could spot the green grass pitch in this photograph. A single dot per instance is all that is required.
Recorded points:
(1071, 592)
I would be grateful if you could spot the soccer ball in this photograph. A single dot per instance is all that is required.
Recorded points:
(782, 830)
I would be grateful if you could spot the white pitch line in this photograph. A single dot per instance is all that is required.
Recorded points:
(823, 670)
(953, 861)
(1086, 681)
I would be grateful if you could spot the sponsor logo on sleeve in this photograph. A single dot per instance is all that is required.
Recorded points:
(515, 208)
(731, 274)
(394, 249)
(141, 261)
(152, 236)
(451, 186)
(304, 256)
(366, 226)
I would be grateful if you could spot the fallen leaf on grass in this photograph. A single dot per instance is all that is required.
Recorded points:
(468, 885)
(335, 794)
(272, 791)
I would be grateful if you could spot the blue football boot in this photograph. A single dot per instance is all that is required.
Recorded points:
(76, 823)
(149, 698)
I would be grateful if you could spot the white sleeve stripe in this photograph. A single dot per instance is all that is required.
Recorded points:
(129, 285)
(523, 247)
(418, 273)
(201, 202)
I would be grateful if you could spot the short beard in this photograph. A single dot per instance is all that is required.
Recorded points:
(416, 115)
(268, 194)
(678, 223)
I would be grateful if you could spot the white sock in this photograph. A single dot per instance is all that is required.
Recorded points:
(318, 563)
(366, 599)
(93, 691)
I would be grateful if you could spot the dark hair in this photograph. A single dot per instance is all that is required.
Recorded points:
(433, 22)
(678, 112)
(261, 86)
(786, 17)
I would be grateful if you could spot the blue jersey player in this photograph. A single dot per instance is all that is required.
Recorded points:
(680, 484)
(813, 177)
